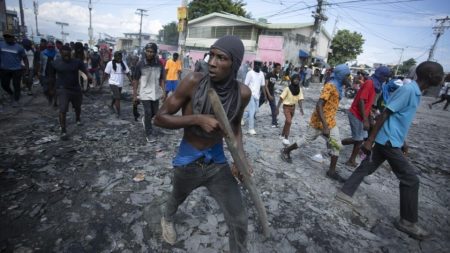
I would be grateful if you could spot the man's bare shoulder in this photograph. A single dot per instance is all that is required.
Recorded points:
(190, 81)
(245, 90)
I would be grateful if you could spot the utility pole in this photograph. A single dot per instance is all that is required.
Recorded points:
(399, 60)
(36, 12)
(23, 28)
(444, 23)
(63, 34)
(141, 13)
(332, 36)
(90, 30)
(182, 27)
(315, 35)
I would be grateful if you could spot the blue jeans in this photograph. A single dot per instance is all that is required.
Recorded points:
(222, 186)
(250, 112)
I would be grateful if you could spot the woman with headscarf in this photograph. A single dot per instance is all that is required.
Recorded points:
(290, 96)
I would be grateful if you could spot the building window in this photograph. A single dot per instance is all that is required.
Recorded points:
(244, 32)
(220, 31)
(200, 32)
(272, 32)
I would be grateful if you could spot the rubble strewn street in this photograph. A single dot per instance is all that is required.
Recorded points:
(103, 189)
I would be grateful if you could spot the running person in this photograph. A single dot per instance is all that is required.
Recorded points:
(389, 135)
(148, 86)
(173, 73)
(201, 160)
(115, 72)
(65, 71)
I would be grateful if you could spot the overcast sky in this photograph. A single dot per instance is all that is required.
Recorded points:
(386, 25)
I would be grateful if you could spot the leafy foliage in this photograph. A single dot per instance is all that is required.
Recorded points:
(169, 34)
(406, 65)
(199, 8)
(345, 46)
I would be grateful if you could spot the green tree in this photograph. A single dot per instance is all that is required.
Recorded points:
(406, 65)
(199, 8)
(169, 34)
(345, 46)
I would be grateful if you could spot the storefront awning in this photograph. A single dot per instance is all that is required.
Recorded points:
(303, 54)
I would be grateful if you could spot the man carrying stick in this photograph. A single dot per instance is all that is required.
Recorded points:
(200, 160)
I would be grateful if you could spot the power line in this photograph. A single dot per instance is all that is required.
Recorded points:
(141, 13)
(372, 32)
(444, 23)
(340, 4)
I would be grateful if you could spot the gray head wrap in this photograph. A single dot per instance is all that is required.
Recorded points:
(228, 90)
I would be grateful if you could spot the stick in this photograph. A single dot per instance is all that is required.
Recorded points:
(241, 165)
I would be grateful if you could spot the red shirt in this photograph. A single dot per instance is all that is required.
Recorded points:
(367, 94)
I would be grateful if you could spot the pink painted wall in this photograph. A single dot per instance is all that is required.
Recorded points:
(270, 48)
(169, 48)
(198, 55)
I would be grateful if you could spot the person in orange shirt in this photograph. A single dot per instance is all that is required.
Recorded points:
(173, 73)
(323, 121)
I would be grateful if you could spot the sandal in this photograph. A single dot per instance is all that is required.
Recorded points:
(286, 157)
(335, 176)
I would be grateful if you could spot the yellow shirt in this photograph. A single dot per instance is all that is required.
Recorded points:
(289, 99)
(330, 95)
(172, 68)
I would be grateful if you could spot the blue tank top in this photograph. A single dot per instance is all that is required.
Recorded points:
(188, 154)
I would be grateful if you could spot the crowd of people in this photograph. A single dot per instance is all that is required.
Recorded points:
(378, 129)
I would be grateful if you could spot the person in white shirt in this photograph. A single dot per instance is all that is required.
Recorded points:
(254, 80)
(148, 86)
(28, 77)
(308, 76)
(115, 71)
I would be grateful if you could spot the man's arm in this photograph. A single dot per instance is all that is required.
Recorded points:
(134, 83)
(83, 69)
(127, 70)
(263, 86)
(266, 89)
(367, 145)
(106, 72)
(25, 61)
(182, 95)
(280, 101)
(300, 106)
(365, 117)
(319, 110)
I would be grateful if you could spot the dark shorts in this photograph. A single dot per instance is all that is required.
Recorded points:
(116, 90)
(171, 85)
(73, 96)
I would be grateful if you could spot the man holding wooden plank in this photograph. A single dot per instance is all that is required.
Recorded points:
(200, 160)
